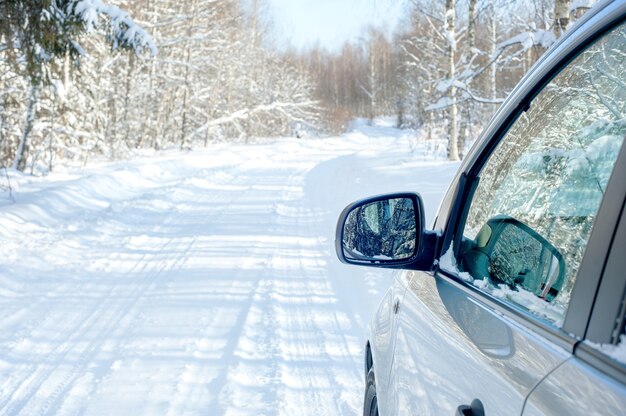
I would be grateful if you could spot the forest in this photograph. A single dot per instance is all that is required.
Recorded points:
(87, 78)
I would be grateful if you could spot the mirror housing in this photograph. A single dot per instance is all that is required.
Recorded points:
(385, 231)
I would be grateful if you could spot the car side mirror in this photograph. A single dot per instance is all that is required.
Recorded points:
(383, 231)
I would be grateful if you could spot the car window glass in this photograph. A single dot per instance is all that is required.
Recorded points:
(539, 193)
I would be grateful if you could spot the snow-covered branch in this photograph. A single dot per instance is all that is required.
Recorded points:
(244, 114)
(125, 32)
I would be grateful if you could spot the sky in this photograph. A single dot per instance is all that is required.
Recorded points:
(304, 23)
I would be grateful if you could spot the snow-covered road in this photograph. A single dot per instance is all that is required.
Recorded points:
(196, 283)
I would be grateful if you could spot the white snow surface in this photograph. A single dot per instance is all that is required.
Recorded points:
(617, 352)
(184, 283)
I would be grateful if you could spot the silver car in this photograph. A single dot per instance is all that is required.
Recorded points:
(514, 302)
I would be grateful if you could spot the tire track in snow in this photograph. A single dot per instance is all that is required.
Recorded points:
(324, 315)
(247, 320)
(107, 317)
(34, 394)
(221, 210)
(282, 354)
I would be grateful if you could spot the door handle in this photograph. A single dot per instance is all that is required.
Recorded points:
(474, 409)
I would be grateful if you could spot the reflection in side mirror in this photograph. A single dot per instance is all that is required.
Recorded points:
(381, 231)
(523, 258)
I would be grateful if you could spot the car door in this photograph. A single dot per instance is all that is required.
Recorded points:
(503, 310)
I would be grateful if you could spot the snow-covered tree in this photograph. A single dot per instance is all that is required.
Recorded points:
(215, 77)
(36, 35)
(470, 55)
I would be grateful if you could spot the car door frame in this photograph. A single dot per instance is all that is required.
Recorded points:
(608, 315)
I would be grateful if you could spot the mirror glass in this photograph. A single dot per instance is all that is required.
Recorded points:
(383, 230)
(522, 258)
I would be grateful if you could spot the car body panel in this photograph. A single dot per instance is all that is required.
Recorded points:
(452, 349)
(382, 339)
(577, 389)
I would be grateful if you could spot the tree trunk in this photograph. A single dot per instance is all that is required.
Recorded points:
(187, 83)
(252, 80)
(3, 97)
(112, 124)
(453, 149)
(127, 99)
(373, 75)
(494, 43)
(51, 132)
(183, 127)
(467, 106)
(561, 17)
(23, 149)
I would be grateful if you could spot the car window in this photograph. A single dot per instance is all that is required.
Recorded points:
(538, 194)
